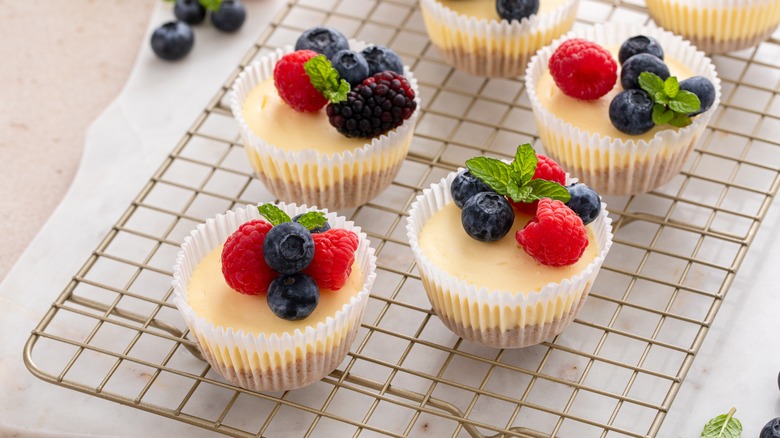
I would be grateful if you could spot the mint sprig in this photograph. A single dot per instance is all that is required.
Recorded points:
(312, 220)
(515, 180)
(672, 105)
(723, 426)
(326, 79)
(211, 5)
(275, 215)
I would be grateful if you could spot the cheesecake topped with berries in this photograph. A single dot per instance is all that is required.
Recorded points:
(502, 9)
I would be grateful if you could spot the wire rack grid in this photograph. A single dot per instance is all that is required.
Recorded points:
(114, 333)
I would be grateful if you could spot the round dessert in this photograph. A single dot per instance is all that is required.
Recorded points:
(621, 106)
(495, 38)
(508, 280)
(274, 300)
(313, 138)
(716, 26)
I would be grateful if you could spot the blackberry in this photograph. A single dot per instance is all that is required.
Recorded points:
(378, 105)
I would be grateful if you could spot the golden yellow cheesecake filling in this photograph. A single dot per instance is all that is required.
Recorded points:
(719, 23)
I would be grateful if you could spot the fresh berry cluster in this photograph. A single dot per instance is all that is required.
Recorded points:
(288, 259)
(174, 39)
(532, 184)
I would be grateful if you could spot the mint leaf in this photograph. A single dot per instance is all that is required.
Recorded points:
(723, 426)
(671, 104)
(274, 214)
(326, 79)
(495, 173)
(518, 193)
(661, 115)
(680, 120)
(211, 5)
(671, 86)
(312, 220)
(685, 102)
(541, 188)
(652, 83)
(524, 165)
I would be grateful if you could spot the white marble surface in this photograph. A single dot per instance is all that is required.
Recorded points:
(737, 365)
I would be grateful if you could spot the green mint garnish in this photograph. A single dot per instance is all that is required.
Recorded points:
(211, 5)
(672, 105)
(514, 180)
(274, 214)
(312, 220)
(723, 426)
(326, 79)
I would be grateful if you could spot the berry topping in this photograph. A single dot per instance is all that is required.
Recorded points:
(585, 202)
(703, 89)
(631, 112)
(643, 62)
(320, 229)
(334, 255)
(380, 59)
(352, 66)
(555, 236)
(546, 169)
(640, 44)
(582, 69)
(322, 39)
(771, 430)
(294, 84)
(487, 216)
(189, 11)
(230, 16)
(378, 105)
(243, 265)
(516, 9)
(293, 297)
(466, 185)
(288, 248)
(173, 40)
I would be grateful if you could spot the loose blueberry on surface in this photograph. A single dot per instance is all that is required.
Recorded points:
(466, 185)
(778, 380)
(585, 202)
(173, 40)
(293, 297)
(352, 66)
(631, 112)
(288, 248)
(230, 16)
(322, 39)
(189, 11)
(640, 44)
(629, 75)
(321, 229)
(771, 430)
(703, 89)
(487, 216)
(380, 58)
(516, 9)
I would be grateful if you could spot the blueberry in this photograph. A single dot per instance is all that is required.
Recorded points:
(703, 89)
(321, 229)
(230, 16)
(487, 216)
(352, 66)
(189, 11)
(322, 39)
(466, 185)
(629, 74)
(778, 380)
(631, 112)
(293, 297)
(380, 58)
(516, 9)
(288, 248)
(173, 40)
(585, 202)
(640, 44)
(771, 430)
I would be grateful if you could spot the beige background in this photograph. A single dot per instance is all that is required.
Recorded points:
(68, 60)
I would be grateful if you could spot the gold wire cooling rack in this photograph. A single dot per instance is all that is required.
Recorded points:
(114, 333)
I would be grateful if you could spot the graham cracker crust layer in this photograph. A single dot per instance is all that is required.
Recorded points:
(711, 45)
(485, 63)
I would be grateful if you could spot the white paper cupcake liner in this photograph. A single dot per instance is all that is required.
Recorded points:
(493, 48)
(261, 362)
(717, 26)
(614, 166)
(332, 181)
(496, 318)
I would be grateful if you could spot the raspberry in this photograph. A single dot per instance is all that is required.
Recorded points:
(378, 105)
(582, 69)
(294, 85)
(243, 265)
(547, 169)
(334, 253)
(555, 236)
